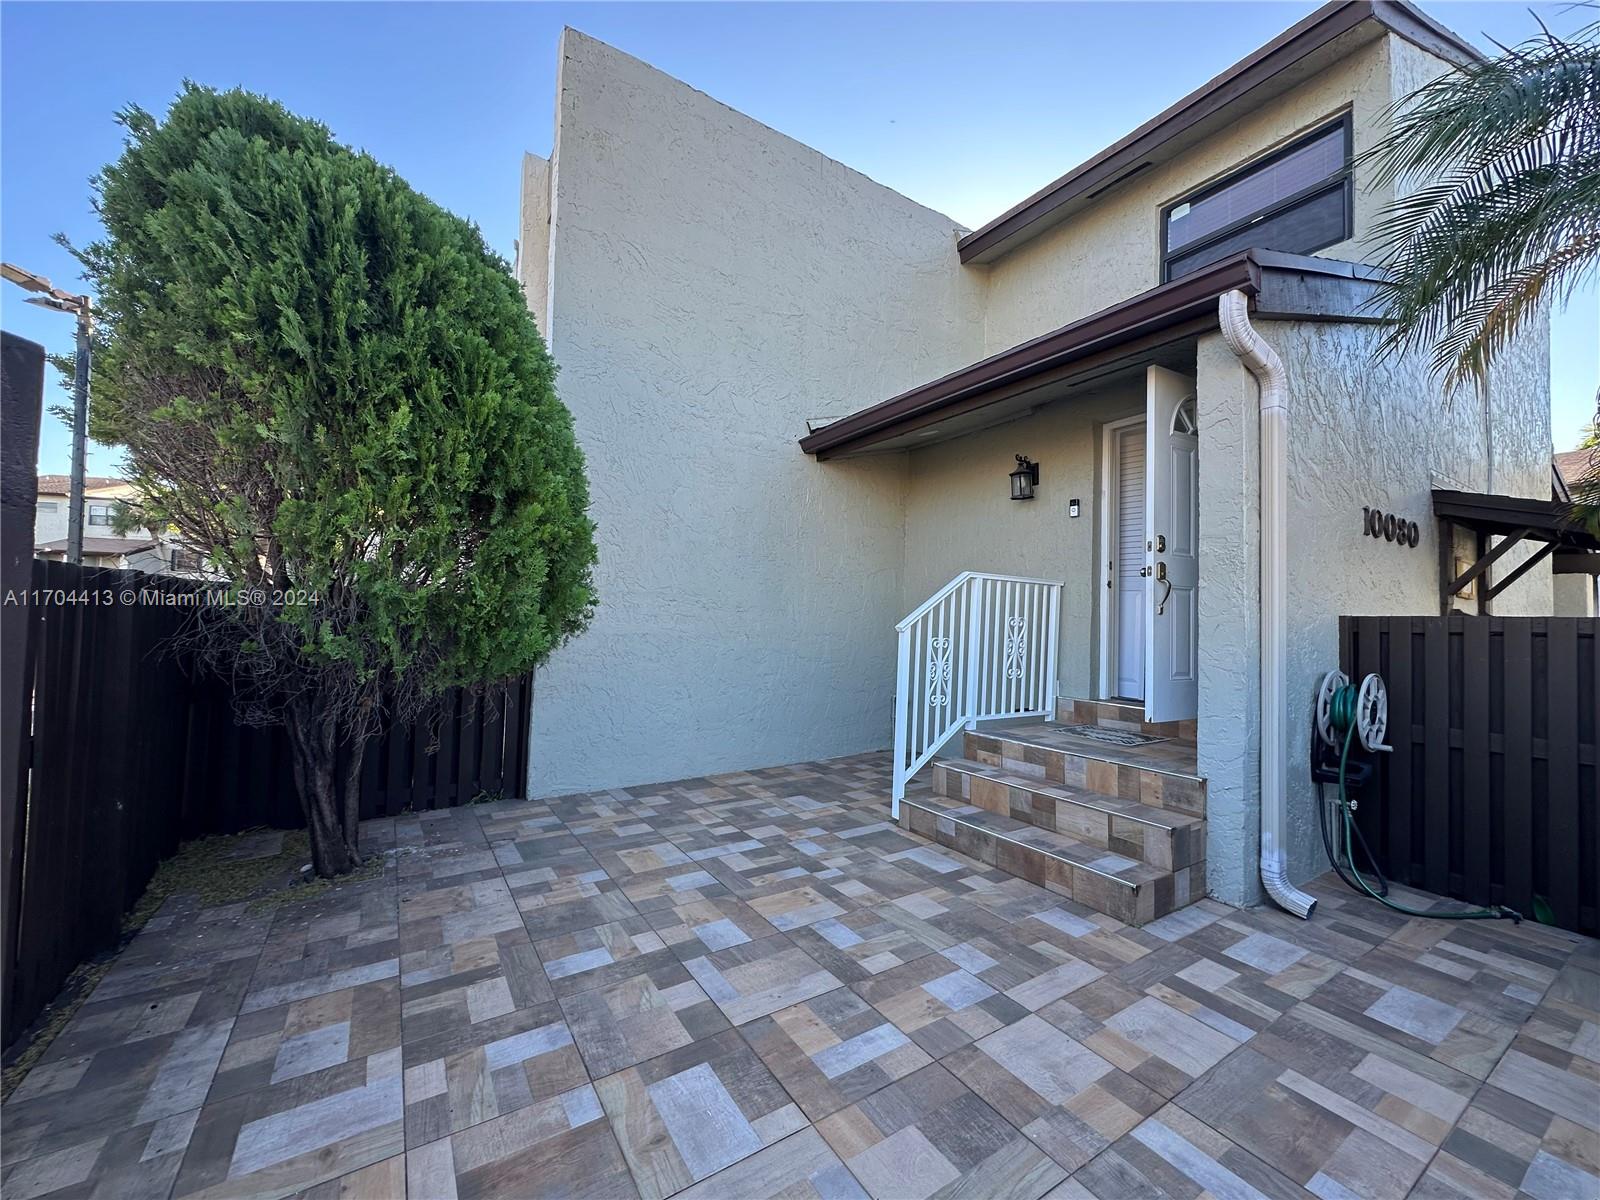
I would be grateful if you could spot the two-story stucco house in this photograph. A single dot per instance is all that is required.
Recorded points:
(103, 546)
(804, 399)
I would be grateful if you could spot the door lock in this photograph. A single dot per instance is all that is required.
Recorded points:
(1161, 543)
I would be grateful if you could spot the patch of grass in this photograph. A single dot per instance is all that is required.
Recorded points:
(210, 869)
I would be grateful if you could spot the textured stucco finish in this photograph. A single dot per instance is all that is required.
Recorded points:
(1361, 433)
(1227, 406)
(714, 285)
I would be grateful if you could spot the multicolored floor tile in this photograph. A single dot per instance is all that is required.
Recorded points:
(752, 979)
(639, 1018)
(559, 1146)
(1068, 1100)
(1332, 1105)
(801, 1167)
(938, 1004)
(297, 1133)
(270, 1045)
(868, 941)
(1460, 1000)
(756, 985)
(1174, 1156)
(692, 1112)
(927, 1135)
(604, 954)
(474, 1073)
(832, 1050)
(702, 927)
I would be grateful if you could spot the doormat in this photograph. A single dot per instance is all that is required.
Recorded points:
(1115, 737)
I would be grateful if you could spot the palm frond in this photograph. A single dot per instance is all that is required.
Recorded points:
(1498, 166)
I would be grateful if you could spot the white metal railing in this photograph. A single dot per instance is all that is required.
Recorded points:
(981, 647)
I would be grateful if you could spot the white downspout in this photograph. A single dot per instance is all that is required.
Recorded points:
(1263, 362)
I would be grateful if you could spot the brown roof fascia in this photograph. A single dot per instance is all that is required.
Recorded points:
(1151, 312)
(1125, 156)
(1543, 520)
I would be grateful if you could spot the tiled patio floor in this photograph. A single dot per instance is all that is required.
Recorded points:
(754, 985)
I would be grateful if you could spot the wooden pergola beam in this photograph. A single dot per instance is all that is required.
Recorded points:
(1532, 561)
(1485, 561)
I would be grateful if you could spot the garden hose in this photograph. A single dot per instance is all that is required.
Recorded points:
(1350, 713)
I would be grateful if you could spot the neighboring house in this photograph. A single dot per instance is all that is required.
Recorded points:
(103, 546)
(1576, 594)
(104, 498)
(802, 396)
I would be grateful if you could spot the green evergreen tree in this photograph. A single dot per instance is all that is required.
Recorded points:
(328, 385)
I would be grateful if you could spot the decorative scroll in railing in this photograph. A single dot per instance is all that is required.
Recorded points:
(981, 647)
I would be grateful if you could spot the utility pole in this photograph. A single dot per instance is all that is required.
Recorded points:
(55, 298)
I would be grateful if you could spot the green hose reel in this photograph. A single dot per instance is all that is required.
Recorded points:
(1348, 715)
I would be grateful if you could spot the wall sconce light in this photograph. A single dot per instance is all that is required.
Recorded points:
(1024, 479)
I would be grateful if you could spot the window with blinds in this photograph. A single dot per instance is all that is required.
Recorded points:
(1297, 200)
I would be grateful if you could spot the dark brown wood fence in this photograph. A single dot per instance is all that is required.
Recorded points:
(129, 752)
(1492, 790)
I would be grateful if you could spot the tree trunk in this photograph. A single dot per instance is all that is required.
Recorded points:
(314, 744)
(352, 797)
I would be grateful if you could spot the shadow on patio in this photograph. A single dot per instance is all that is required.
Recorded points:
(755, 985)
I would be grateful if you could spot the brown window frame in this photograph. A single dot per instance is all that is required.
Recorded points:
(1342, 181)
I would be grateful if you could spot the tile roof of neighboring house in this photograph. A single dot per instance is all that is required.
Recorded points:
(1572, 464)
(101, 545)
(60, 485)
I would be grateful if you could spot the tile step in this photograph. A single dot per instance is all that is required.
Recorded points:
(1131, 891)
(1161, 838)
(1161, 775)
(1121, 714)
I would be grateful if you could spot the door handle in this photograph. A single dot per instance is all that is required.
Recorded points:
(1161, 576)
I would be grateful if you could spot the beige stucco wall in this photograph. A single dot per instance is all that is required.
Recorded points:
(714, 285)
(1361, 433)
(959, 515)
(1112, 250)
(1574, 596)
(533, 240)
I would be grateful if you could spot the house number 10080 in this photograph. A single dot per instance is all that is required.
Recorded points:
(1377, 523)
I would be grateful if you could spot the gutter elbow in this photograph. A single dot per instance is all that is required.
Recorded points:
(1259, 358)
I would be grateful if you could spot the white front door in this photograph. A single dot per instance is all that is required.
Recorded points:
(1172, 516)
(1127, 488)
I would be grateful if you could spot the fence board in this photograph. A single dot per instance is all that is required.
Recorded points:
(1491, 793)
(1399, 822)
(1518, 744)
(132, 753)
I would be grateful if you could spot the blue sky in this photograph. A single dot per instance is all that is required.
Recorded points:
(965, 108)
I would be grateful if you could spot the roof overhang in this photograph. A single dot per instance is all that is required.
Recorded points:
(99, 545)
(1301, 51)
(1570, 547)
(1148, 327)
(1541, 520)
